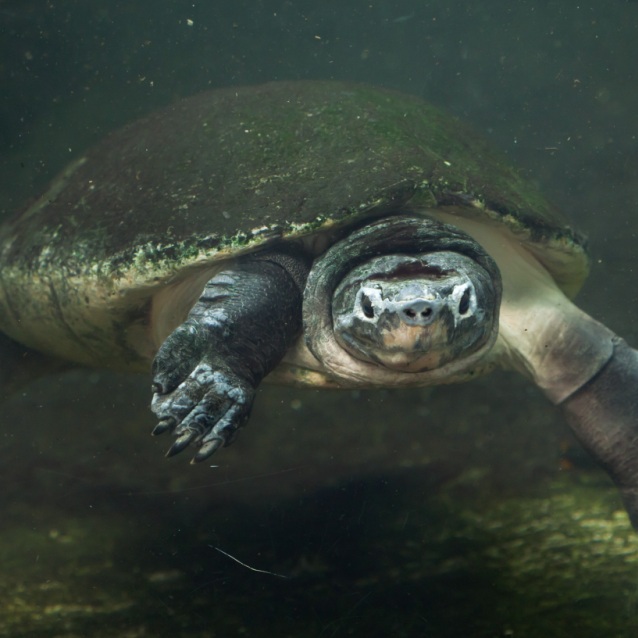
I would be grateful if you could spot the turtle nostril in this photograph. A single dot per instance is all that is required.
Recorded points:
(411, 313)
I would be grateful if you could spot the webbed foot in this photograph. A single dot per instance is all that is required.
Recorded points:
(206, 407)
(206, 373)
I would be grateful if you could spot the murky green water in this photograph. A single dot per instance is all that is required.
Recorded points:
(460, 511)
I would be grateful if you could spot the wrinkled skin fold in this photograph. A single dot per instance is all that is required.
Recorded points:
(604, 416)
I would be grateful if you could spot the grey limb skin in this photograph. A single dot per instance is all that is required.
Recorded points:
(207, 371)
(604, 416)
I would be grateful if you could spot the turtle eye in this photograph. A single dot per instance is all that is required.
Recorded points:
(464, 304)
(366, 306)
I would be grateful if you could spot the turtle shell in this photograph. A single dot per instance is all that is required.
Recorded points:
(233, 169)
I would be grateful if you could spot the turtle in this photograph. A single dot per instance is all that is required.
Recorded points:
(320, 233)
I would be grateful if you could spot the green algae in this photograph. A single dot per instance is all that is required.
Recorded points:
(540, 565)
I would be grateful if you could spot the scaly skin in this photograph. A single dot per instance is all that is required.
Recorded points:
(206, 372)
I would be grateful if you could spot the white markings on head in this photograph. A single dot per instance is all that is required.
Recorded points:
(368, 304)
(463, 301)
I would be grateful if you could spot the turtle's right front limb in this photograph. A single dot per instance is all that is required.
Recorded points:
(207, 371)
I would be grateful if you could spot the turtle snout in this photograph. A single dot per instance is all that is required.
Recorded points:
(418, 312)
(411, 310)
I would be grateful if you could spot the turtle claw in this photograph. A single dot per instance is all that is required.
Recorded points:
(182, 442)
(207, 449)
(206, 408)
(165, 425)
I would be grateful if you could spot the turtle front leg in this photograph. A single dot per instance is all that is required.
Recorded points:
(586, 369)
(604, 416)
(207, 371)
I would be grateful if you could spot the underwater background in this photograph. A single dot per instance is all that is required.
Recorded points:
(456, 511)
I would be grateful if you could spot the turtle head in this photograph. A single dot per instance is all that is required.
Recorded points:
(405, 300)
(414, 313)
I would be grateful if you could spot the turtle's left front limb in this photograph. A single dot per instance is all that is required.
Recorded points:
(207, 371)
(604, 415)
(576, 361)
(590, 372)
